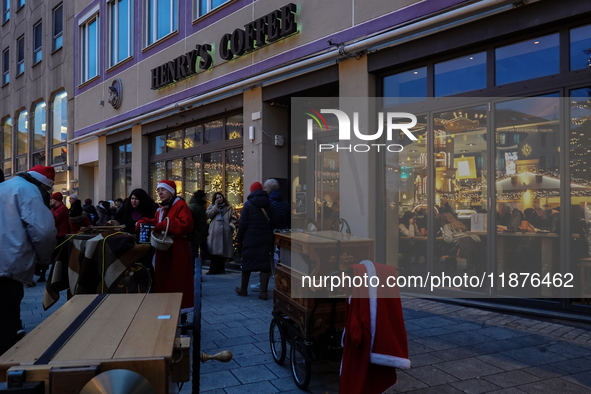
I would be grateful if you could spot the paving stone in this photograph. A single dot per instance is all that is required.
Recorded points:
(582, 378)
(501, 361)
(206, 327)
(262, 328)
(475, 386)
(500, 333)
(253, 374)
(511, 390)
(281, 371)
(244, 350)
(531, 340)
(569, 350)
(457, 353)
(217, 380)
(444, 389)
(435, 343)
(249, 360)
(496, 346)
(420, 360)
(572, 366)
(226, 342)
(468, 368)
(553, 386)
(465, 339)
(431, 322)
(405, 384)
(253, 388)
(431, 375)
(534, 355)
(416, 348)
(463, 327)
(284, 384)
(431, 332)
(511, 379)
(236, 332)
(545, 371)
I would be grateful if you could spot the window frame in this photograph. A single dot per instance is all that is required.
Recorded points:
(20, 4)
(5, 11)
(6, 71)
(127, 166)
(113, 31)
(34, 123)
(84, 41)
(37, 51)
(197, 8)
(55, 36)
(4, 121)
(20, 62)
(152, 30)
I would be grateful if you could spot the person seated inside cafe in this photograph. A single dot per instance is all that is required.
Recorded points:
(408, 226)
(508, 218)
(461, 244)
(546, 219)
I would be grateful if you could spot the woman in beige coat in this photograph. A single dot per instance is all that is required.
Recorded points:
(221, 230)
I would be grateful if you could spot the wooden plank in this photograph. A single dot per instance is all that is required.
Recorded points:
(34, 344)
(149, 335)
(100, 336)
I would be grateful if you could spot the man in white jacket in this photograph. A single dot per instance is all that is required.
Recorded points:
(27, 231)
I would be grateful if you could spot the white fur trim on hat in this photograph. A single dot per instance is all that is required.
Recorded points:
(165, 186)
(41, 178)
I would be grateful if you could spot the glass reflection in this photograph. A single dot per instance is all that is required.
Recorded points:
(580, 47)
(235, 177)
(460, 146)
(40, 127)
(459, 75)
(192, 175)
(580, 193)
(411, 83)
(533, 58)
(527, 165)
(22, 134)
(212, 172)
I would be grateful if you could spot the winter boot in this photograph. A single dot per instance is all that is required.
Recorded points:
(242, 290)
(264, 285)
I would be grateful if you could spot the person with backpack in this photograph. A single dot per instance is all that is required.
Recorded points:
(90, 210)
(255, 233)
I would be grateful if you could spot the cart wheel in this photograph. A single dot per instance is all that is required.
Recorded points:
(301, 365)
(277, 341)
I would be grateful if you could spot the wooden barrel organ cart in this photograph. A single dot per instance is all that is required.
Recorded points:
(311, 322)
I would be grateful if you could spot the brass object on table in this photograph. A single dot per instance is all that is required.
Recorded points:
(223, 356)
(118, 381)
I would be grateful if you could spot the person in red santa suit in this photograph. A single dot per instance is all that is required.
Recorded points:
(173, 267)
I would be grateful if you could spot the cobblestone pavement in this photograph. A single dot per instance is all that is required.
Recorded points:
(453, 349)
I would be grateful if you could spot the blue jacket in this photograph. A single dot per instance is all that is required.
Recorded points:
(27, 230)
(255, 232)
(280, 210)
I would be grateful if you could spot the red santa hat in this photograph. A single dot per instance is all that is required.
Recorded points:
(256, 186)
(57, 196)
(168, 185)
(45, 175)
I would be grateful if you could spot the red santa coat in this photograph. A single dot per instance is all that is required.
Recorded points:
(173, 268)
(374, 341)
(62, 219)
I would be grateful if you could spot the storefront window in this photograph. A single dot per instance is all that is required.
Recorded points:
(192, 175)
(580, 193)
(528, 188)
(460, 75)
(580, 47)
(40, 125)
(157, 173)
(212, 172)
(7, 147)
(121, 170)
(411, 83)
(59, 155)
(235, 176)
(22, 133)
(532, 58)
(213, 131)
(206, 156)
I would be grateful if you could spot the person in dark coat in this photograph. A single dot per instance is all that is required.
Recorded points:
(90, 210)
(104, 213)
(254, 236)
(279, 206)
(198, 238)
(78, 218)
(139, 204)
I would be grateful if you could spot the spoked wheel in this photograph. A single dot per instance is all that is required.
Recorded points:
(301, 365)
(277, 341)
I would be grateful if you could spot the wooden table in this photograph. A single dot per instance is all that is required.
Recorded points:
(125, 331)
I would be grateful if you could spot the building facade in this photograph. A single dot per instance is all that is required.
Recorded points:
(200, 92)
(36, 108)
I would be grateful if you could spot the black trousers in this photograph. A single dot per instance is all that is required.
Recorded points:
(11, 294)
